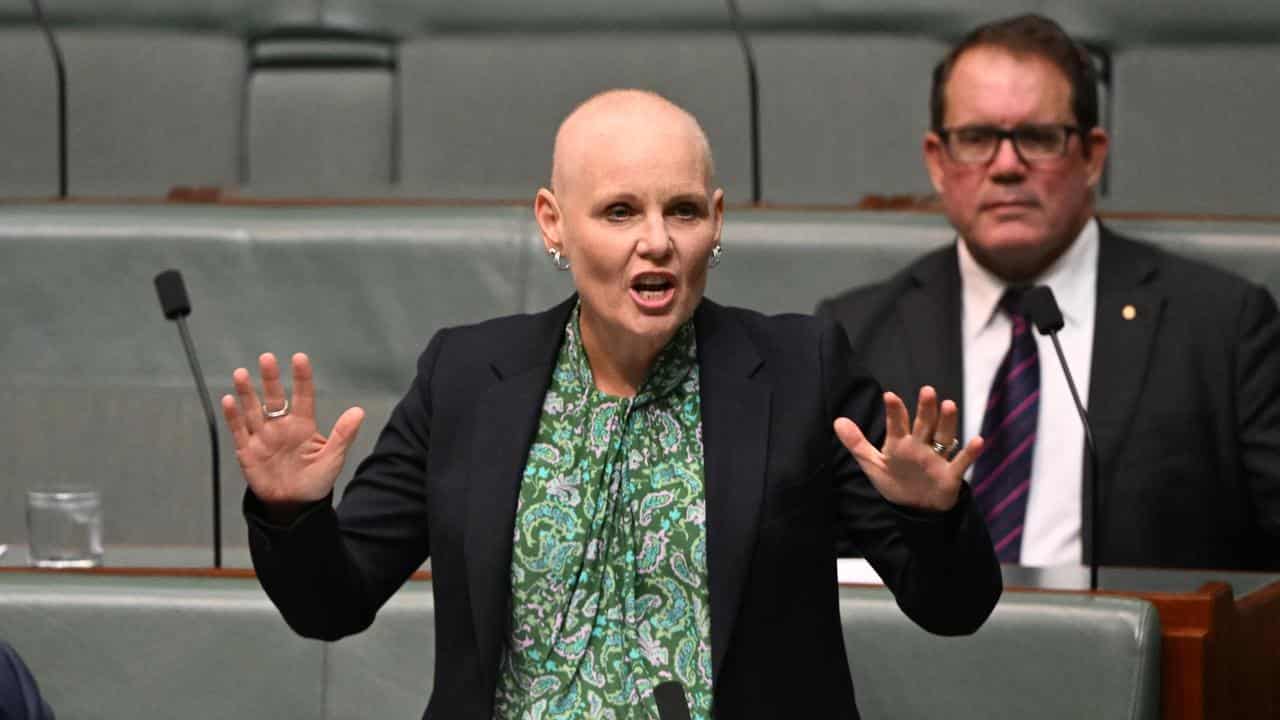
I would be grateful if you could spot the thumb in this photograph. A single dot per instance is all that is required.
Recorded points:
(345, 430)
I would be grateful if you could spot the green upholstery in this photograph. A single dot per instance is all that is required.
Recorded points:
(479, 110)
(97, 385)
(1040, 655)
(97, 390)
(165, 93)
(114, 647)
(153, 648)
(28, 138)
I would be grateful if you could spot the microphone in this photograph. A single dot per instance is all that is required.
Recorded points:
(1042, 309)
(177, 306)
(672, 704)
(60, 75)
(753, 97)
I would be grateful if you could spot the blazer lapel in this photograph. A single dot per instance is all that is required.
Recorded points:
(735, 430)
(1127, 315)
(506, 419)
(931, 318)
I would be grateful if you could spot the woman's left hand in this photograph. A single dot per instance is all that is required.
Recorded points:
(909, 470)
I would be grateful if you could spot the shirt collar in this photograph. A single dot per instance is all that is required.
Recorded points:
(1072, 278)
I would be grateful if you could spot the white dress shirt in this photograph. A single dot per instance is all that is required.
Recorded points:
(1051, 533)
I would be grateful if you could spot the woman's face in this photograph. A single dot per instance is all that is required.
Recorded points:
(637, 220)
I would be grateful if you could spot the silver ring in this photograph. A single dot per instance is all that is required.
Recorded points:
(277, 414)
(946, 450)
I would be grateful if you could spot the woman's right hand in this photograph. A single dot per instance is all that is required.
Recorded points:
(285, 461)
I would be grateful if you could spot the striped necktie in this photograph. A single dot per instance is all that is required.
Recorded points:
(1002, 474)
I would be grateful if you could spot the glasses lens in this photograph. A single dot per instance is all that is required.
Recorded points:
(1040, 142)
(974, 144)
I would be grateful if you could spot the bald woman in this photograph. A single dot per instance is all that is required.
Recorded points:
(635, 487)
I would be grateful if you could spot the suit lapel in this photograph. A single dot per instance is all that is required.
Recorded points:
(506, 419)
(735, 429)
(931, 318)
(1126, 318)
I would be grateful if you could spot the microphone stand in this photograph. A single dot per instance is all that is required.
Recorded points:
(203, 391)
(60, 75)
(1093, 467)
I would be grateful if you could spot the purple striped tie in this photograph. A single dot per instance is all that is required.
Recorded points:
(1002, 474)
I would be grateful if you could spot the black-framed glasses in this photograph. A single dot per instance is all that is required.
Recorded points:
(978, 144)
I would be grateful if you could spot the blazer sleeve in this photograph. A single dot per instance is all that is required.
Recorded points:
(1257, 403)
(941, 567)
(331, 569)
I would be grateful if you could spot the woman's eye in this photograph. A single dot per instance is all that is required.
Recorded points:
(617, 212)
(686, 211)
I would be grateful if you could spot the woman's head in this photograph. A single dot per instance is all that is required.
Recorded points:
(633, 210)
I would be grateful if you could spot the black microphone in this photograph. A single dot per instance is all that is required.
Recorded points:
(60, 74)
(753, 97)
(176, 307)
(1042, 309)
(672, 704)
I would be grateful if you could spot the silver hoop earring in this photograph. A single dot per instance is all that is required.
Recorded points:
(559, 261)
(716, 252)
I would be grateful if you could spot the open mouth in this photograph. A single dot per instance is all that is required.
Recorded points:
(653, 291)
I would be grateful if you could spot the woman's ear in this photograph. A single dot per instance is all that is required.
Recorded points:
(547, 212)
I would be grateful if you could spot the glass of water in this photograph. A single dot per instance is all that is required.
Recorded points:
(64, 527)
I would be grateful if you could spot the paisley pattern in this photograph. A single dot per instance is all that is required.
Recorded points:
(609, 593)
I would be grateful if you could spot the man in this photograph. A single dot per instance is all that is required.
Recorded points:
(1178, 363)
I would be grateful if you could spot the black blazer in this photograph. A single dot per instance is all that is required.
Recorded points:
(781, 492)
(1184, 398)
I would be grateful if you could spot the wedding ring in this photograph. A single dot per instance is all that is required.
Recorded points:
(284, 410)
(946, 450)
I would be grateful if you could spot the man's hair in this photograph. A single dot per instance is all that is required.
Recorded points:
(1033, 35)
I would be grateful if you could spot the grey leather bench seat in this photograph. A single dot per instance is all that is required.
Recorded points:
(97, 390)
(141, 648)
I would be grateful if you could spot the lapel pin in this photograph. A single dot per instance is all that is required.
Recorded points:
(1129, 312)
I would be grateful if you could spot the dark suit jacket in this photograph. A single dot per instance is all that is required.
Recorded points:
(1184, 399)
(20, 697)
(444, 476)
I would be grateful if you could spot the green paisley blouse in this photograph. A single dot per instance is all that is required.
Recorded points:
(609, 591)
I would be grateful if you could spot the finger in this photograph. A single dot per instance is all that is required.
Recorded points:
(250, 407)
(853, 439)
(304, 392)
(235, 422)
(948, 421)
(896, 420)
(926, 415)
(963, 459)
(272, 388)
(345, 430)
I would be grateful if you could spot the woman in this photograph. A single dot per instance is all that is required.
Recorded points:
(636, 486)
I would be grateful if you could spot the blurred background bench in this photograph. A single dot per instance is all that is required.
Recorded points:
(97, 390)
(377, 98)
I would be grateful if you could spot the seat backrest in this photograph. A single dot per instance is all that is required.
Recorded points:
(157, 647)
(98, 390)
(96, 381)
(1039, 655)
(1194, 128)
(321, 117)
(483, 87)
(160, 648)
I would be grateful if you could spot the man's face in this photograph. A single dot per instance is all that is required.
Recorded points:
(637, 219)
(1015, 217)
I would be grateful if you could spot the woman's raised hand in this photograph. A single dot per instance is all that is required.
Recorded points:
(285, 461)
(915, 467)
